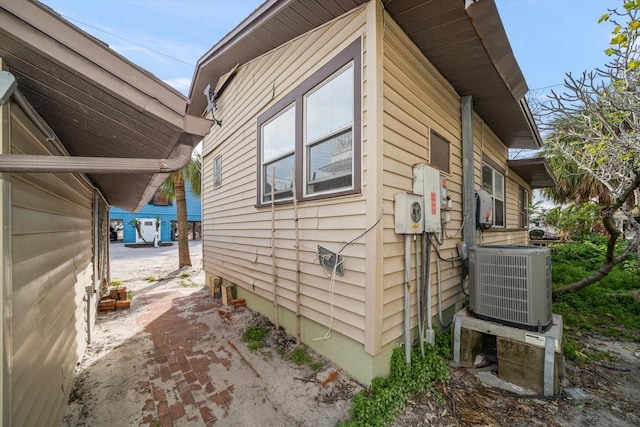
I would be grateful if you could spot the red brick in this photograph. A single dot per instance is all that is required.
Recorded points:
(227, 397)
(166, 421)
(149, 418)
(165, 373)
(207, 415)
(187, 398)
(190, 377)
(209, 388)
(163, 408)
(149, 406)
(158, 395)
(217, 399)
(177, 411)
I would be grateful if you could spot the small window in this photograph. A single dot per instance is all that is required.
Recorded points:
(493, 183)
(524, 208)
(217, 172)
(439, 152)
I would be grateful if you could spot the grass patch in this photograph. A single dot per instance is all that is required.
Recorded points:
(189, 284)
(150, 279)
(317, 365)
(255, 336)
(116, 283)
(185, 274)
(300, 356)
(594, 309)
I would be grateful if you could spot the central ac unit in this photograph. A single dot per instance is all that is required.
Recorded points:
(511, 285)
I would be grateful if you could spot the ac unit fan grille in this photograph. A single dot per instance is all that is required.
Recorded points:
(512, 285)
(503, 287)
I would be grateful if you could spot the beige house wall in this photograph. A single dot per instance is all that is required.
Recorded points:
(51, 263)
(403, 99)
(237, 244)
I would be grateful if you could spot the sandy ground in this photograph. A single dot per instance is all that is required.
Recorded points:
(176, 357)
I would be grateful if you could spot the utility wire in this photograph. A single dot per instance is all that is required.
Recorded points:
(128, 41)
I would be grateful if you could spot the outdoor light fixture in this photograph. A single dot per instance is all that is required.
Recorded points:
(8, 85)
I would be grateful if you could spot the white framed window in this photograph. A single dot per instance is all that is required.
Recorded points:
(314, 131)
(493, 183)
(278, 155)
(328, 134)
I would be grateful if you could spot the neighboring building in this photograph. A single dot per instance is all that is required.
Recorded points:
(70, 109)
(351, 94)
(158, 208)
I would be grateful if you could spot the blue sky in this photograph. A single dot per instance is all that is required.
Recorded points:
(166, 37)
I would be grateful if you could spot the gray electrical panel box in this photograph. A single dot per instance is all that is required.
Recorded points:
(408, 214)
(427, 182)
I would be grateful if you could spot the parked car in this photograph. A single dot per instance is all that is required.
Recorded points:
(113, 235)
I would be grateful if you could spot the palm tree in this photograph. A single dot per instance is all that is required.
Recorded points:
(573, 184)
(174, 188)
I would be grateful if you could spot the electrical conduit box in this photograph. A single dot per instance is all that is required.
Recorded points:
(426, 182)
(409, 213)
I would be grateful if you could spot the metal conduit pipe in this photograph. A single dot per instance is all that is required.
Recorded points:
(407, 298)
(418, 299)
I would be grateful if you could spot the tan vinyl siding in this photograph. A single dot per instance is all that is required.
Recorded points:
(238, 234)
(416, 99)
(52, 225)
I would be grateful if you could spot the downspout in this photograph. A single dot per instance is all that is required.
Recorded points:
(468, 185)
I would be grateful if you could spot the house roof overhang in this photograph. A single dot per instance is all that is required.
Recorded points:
(464, 40)
(97, 103)
(535, 171)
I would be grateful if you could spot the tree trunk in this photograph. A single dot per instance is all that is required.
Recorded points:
(184, 258)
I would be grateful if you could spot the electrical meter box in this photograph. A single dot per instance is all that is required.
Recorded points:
(427, 182)
(409, 214)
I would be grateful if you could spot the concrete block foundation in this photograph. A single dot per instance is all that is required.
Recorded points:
(528, 359)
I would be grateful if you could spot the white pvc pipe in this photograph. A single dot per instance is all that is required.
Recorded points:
(431, 338)
(407, 298)
(418, 290)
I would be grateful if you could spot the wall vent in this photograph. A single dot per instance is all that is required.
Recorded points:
(511, 285)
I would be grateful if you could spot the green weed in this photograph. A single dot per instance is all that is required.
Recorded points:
(254, 336)
(317, 365)
(299, 355)
(150, 279)
(116, 283)
(379, 405)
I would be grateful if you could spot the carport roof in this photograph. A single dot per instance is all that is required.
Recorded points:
(98, 103)
(464, 40)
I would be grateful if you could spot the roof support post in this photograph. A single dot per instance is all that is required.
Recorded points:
(6, 261)
(468, 190)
